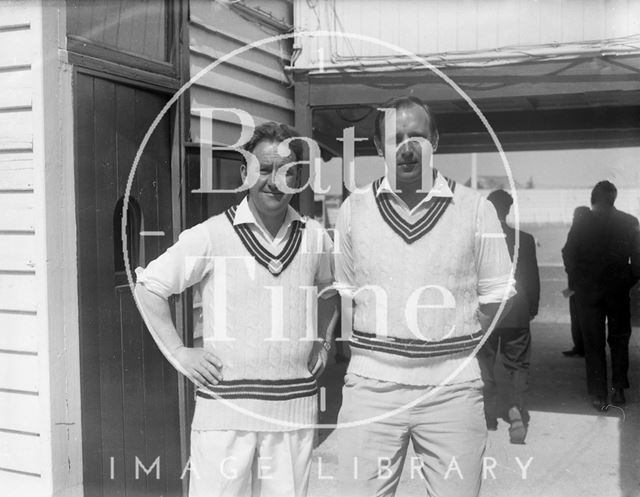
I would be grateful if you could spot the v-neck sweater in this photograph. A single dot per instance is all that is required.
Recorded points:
(258, 319)
(415, 287)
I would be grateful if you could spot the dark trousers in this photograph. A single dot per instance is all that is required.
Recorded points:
(515, 346)
(594, 309)
(576, 332)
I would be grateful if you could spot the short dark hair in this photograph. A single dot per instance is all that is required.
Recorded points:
(403, 103)
(275, 132)
(502, 201)
(604, 192)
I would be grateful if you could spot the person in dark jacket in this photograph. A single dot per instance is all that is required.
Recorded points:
(512, 336)
(602, 259)
(576, 332)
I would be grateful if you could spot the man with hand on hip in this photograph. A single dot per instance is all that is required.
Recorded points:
(259, 265)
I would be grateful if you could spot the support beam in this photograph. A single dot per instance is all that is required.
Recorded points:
(303, 124)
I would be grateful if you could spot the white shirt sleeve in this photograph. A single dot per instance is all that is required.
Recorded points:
(494, 266)
(345, 270)
(184, 264)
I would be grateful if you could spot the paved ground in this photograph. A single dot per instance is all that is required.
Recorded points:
(574, 451)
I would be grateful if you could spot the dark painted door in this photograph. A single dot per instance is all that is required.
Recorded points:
(130, 407)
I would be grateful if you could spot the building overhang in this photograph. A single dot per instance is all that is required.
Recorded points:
(586, 101)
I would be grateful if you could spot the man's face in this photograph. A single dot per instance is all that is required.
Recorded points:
(411, 122)
(265, 194)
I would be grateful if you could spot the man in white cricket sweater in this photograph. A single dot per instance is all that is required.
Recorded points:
(260, 267)
(426, 268)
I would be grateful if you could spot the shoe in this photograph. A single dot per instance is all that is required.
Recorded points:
(617, 397)
(600, 404)
(517, 429)
(573, 353)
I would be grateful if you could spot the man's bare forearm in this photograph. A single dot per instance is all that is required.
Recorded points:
(198, 364)
(157, 316)
(328, 313)
(327, 319)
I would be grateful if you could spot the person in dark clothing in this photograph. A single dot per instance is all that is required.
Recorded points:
(602, 259)
(512, 337)
(576, 333)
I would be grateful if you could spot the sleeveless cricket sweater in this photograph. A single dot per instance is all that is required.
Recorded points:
(258, 318)
(422, 325)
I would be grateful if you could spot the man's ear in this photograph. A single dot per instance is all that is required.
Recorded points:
(379, 146)
(434, 143)
(243, 172)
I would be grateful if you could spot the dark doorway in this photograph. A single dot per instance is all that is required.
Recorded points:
(130, 406)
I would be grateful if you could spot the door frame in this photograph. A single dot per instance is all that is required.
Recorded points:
(162, 82)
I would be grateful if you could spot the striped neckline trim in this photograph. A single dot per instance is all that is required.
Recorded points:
(262, 389)
(275, 264)
(410, 232)
(413, 348)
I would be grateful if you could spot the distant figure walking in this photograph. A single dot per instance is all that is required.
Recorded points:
(602, 260)
(512, 337)
(576, 332)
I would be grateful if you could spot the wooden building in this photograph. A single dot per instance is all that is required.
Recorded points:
(547, 74)
(88, 406)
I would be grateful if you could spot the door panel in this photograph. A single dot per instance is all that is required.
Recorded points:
(130, 416)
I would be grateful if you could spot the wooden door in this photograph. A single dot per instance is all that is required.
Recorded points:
(130, 406)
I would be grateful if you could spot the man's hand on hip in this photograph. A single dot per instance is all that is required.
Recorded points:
(202, 367)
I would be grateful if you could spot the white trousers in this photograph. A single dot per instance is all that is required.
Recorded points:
(446, 428)
(229, 463)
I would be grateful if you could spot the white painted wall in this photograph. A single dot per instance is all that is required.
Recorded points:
(21, 421)
(40, 451)
(429, 27)
(253, 81)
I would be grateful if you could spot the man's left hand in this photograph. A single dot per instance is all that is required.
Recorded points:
(318, 360)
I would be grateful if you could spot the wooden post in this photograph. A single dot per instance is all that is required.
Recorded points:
(59, 356)
(303, 124)
(179, 202)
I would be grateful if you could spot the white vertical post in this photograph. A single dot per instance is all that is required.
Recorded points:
(474, 170)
